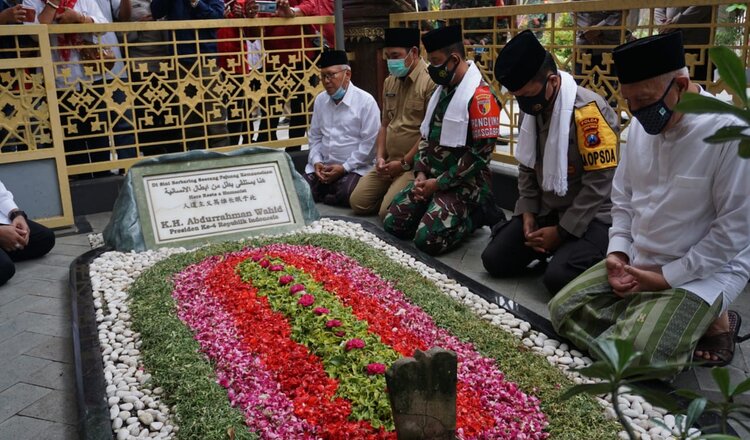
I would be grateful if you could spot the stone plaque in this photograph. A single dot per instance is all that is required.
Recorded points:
(191, 203)
(422, 393)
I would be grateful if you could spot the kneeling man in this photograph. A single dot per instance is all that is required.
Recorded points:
(679, 249)
(567, 154)
(345, 123)
(459, 133)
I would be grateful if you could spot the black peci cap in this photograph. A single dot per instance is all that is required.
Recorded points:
(332, 58)
(402, 37)
(442, 37)
(519, 61)
(649, 57)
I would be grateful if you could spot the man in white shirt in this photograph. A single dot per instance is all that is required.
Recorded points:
(20, 238)
(345, 123)
(679, 250)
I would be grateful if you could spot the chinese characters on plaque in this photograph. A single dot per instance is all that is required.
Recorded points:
(186, 205)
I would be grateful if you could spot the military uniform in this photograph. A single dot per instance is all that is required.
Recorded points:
(582, 214)
(462, 175)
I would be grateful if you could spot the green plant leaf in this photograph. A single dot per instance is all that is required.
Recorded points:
(744, 149)
(598, 369)
(731, 70)
(722, 380)
(728, 133)
(587, 388)
(695, 103)
(694, 411)
(742, 387)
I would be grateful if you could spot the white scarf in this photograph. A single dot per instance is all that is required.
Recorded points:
(555, 161)
(456, 118)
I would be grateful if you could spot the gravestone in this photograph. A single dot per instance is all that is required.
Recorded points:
(422, 392)
(190, 199)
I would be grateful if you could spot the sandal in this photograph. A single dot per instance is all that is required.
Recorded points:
(720, 345)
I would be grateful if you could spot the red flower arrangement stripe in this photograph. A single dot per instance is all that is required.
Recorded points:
(516, 414)
(250, 386)
(385, 309)
(297, 375)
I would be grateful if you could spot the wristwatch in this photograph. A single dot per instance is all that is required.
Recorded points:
(16, 213)
(406, 166)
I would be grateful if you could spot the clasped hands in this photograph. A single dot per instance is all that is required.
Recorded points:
(329, 173)
(424, 188)
(543, 240)
(390, 169)
(626, 279)
(15, 236)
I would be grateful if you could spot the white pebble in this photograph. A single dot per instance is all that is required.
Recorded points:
(146, 418)
(669, 421)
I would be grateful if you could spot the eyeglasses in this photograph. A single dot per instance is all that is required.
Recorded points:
(331, 75)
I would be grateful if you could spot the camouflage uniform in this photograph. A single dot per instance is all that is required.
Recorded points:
(462, 174)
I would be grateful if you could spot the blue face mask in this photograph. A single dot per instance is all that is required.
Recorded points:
(338, 94)
(398, 67)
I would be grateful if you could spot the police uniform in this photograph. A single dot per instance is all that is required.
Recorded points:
(582, 213)
(461, 172)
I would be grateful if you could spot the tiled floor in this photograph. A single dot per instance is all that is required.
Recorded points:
(37, 381)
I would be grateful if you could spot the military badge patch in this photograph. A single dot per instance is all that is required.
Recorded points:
(597, 141)
(484, 114)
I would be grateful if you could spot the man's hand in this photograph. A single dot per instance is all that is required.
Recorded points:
(13, 15)
(332, 173)
(10, 239)
(251, 9)
(70, 16)
(380, 167)
(648, 279)
(424, 189)
(283, 9)
(394, 169)
(621, 281)
(544, 240)
(529, 224)
(22, 228)
(319, 171)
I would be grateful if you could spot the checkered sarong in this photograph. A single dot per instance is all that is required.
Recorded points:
(664, 325)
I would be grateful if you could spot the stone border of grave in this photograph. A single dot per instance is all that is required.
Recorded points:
(527, 325)
(93, 412)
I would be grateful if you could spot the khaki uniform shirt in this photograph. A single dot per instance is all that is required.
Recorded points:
(404, 105)
(593, 154)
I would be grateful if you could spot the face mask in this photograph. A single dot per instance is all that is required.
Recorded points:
(338, 94)
(440, 74)
(534, 105)
(398, 67)
(654, 117)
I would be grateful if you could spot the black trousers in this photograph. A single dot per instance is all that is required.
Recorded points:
(41, 241)
(507, 256)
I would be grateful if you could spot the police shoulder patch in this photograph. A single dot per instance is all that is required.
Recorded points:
(597, 141)
(484, 114)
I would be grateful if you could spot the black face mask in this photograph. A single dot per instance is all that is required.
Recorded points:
(441, 75)
(654, 117)
(534, 105)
